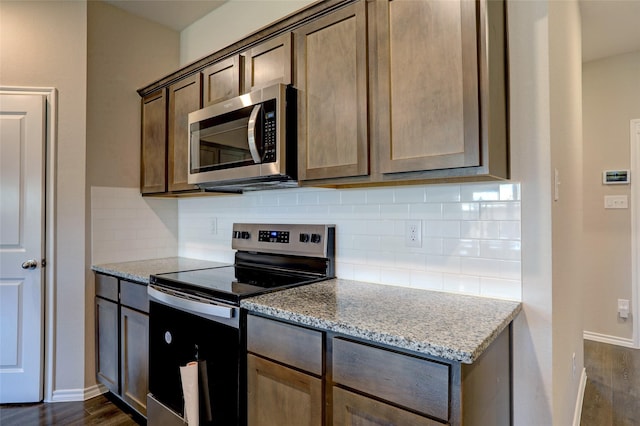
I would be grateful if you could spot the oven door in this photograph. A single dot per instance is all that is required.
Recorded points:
(177, 337)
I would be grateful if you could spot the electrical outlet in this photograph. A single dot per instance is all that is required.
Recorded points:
(213, 226)
(623, 308)
(616, 202)
(413, 233)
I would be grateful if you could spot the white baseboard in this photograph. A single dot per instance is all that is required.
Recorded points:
(69, 395)
(612, 340)
(577, 413)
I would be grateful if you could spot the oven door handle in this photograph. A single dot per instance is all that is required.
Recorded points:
(191, 305)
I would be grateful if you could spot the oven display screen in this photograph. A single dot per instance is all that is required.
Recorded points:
(273, 236)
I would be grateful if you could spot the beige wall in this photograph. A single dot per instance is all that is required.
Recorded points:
(611, 98)
(231, 22)
(124, 54)
(44, 44)
(565, 64)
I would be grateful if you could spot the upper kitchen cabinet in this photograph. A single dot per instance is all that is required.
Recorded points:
(440, 89)
(268, 63)
(184, 97)
(436, 102)
(222, 80)
(428, 110)
(331, 78)
(154, 148)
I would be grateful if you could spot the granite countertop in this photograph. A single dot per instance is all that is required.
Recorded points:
(140, 270)
(450, 326)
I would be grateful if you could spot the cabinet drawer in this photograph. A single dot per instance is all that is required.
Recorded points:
(353, 409)
(107, 287)
(134, 295)
(411, 382)
(296, 346)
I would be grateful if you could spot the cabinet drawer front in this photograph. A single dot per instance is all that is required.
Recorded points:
(350, 409)
(296, 346)
(134, 295)
(414, 383)
(107, 287)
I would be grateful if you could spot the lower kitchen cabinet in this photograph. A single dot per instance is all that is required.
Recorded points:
(302, 376)
(122, 347)
(280, 396)
(134, 355)
(284, 374)
(107, 356)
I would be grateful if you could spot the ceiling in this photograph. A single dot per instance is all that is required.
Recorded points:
(175, 14)
(609, 27)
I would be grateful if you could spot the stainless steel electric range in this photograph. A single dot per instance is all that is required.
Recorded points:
(195, 316)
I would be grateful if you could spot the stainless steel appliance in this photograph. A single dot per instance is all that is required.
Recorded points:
(245, 143)
(195, 316)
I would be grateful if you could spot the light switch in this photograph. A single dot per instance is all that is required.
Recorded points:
(616, 202)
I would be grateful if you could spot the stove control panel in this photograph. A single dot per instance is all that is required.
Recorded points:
(296, 239)
(274, 236)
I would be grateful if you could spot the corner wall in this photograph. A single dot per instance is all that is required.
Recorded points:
(565, 64)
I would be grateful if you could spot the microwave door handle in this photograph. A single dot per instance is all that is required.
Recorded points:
(251, 134)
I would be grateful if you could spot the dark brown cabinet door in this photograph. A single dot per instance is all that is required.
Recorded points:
(331, 78)
(221, 81)
(107, 355)
(154, 146)
(350, 409)
(268, 63)
(184, 97)
(280, 396)
(428, 101)
(134, 346)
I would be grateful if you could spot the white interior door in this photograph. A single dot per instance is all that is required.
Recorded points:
(22, 160)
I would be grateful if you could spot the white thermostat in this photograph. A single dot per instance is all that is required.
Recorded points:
(615, 177)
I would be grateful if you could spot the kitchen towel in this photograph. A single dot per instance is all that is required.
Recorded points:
(189, 376)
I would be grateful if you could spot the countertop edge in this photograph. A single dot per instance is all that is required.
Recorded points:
(396, 341)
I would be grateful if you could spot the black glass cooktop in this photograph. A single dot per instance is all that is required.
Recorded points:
(231, 283)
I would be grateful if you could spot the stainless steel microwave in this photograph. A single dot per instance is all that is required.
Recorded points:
(245, 143)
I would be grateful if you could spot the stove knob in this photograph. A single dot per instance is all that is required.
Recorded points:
(316, 238)
(304, 238)
(245, 235)
(236, 234)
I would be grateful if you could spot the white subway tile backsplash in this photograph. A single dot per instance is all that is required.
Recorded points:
(480, 192)
(409, 194)
(426, 211)
(426, 280)
(500, 211)
(503, 289)
(470, 232)
(443, 193)
(460, 211)
(443, 228)
(480, 229)
(461, 283)
(394, 211)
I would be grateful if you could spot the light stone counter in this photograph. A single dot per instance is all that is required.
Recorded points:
(450, 326)
(140, 270)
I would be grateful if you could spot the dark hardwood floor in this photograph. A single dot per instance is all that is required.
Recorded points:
(96, 411)
(612, 395)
